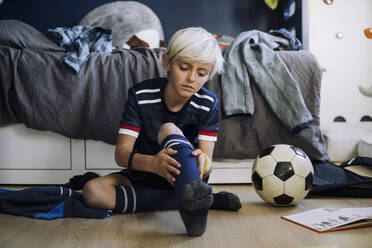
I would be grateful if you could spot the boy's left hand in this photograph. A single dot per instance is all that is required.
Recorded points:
(201, 161)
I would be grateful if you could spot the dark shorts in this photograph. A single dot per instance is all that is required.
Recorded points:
(148, 179)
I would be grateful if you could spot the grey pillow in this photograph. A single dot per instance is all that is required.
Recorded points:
(124, 19)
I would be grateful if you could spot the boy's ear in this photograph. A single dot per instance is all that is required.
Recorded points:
(165, 61)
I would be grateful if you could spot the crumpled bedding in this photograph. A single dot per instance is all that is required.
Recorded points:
(38, 90)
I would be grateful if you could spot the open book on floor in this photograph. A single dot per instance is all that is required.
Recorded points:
(332, 219)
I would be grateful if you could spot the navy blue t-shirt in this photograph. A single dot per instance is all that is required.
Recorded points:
(146, 111)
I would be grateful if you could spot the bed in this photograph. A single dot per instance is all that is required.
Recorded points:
(38, 91)
(94, 98)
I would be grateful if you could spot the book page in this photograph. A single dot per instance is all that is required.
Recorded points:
(361, 211)
(322, 219)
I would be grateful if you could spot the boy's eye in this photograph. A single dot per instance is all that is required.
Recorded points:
(202, 74)
(183, 68)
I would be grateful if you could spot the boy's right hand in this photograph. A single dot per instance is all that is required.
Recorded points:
(163, 165)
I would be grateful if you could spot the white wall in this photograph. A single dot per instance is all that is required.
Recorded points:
(348, 61)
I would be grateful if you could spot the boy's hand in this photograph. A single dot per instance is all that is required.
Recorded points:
(163, 165)
(201, 161)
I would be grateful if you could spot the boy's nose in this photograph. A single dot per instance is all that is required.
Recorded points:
(191, 76)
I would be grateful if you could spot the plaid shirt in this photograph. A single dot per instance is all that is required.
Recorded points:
(80, 41)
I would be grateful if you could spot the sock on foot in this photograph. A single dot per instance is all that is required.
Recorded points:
(194, 196)
(197, 198)
(226, 201)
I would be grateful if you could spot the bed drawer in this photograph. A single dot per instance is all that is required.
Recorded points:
(27, 149)
(99, 155)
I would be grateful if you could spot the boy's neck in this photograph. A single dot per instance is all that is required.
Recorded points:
(173, 102)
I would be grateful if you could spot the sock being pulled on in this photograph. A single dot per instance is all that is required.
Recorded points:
(194, 196)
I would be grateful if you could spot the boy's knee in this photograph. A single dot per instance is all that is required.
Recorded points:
(90, 193)
(167, 129)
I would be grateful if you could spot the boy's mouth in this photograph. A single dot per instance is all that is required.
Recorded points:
(187, 87)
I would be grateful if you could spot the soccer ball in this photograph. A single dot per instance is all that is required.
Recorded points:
(282, 175)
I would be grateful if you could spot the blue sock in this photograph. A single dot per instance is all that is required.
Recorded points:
(194, 196)
(189, 165)
(131, 199)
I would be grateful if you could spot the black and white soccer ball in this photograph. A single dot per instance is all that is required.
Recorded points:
(282, 174)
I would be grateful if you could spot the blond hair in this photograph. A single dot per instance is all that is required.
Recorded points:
(197, 45)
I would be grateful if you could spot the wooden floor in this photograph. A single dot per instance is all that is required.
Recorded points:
(257, 224)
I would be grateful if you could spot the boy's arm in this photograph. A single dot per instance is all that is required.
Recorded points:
(161, 163)
(207, 147)
(124, 148)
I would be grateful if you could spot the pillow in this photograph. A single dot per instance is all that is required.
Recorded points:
(343, 140)
(125, 19)
(365, 147)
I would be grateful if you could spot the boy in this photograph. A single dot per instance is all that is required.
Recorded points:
(164, 119)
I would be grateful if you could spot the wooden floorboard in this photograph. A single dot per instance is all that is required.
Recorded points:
(257, 224)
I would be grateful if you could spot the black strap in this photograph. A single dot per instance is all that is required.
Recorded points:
(129, 167)
(130, 160)
(130, 171)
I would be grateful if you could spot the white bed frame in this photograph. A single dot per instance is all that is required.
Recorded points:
(28, 156)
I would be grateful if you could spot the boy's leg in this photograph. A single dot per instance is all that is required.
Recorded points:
(116, 192)
(101, 192)
(194, 196)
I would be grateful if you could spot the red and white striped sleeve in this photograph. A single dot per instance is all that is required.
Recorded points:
(131, 121)
(129, 130)
(208, 135)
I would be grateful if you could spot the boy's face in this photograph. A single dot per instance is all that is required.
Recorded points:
(186, 77)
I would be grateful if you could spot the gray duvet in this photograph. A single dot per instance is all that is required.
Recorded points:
(37, 89)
